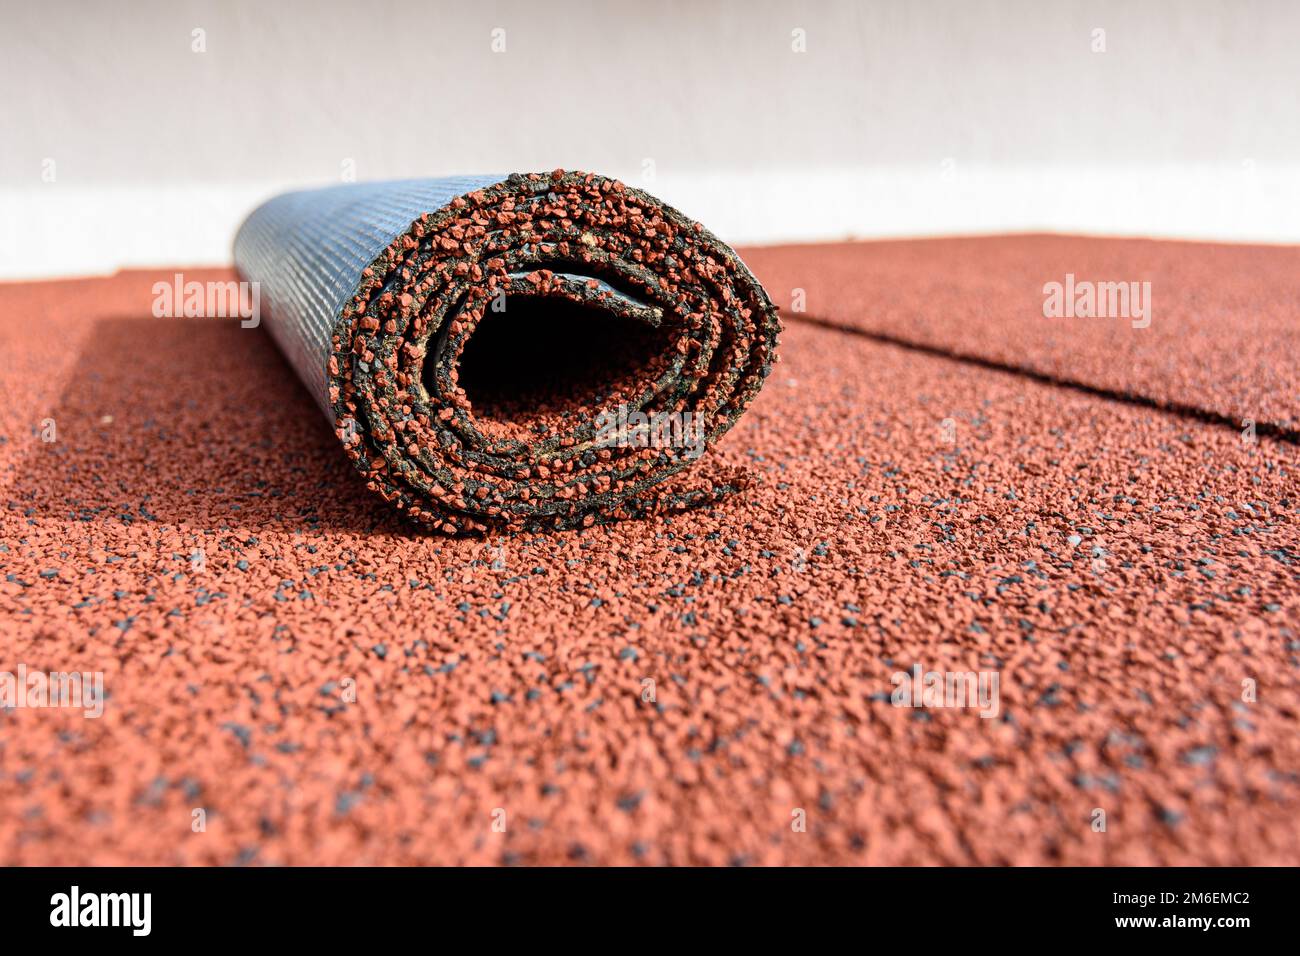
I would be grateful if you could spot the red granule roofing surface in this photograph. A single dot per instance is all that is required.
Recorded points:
(1222, 319)
(1124, 567)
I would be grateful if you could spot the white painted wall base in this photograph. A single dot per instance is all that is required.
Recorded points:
(60, 229)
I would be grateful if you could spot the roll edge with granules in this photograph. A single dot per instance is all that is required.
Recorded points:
(528, 352)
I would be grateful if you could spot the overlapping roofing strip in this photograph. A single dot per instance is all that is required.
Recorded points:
(1207, 330)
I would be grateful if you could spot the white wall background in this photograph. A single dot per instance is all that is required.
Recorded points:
(121, 145)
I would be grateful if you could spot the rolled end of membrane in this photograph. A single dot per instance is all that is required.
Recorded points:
(539, 353)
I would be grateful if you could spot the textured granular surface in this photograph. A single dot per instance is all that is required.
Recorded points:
(1213, 333)
(328, 685)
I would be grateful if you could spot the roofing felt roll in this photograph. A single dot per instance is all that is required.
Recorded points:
(528, 352)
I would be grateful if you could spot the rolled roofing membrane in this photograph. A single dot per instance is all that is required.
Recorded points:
(521, 353)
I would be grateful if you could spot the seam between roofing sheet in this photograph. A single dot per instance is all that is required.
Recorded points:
(1209, 416)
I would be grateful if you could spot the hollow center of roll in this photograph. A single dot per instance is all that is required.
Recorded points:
(543, 358)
